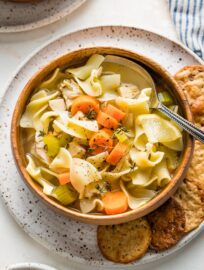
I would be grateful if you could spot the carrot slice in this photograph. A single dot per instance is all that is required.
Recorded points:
(114, 112)
(64, 178)
(108, 131)
(117, 153)
(85, 104)
(115, 202)
(100, 142)
(106, 120)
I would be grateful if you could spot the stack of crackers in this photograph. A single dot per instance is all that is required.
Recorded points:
(182, 213)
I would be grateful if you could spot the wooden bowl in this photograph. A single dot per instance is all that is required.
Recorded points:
(74, 58)
(25, 1)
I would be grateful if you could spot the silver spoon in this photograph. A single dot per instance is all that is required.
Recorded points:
(142, 76)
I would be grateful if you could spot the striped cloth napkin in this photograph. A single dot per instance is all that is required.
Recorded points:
(188, 17)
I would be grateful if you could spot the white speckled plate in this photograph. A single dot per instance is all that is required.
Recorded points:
(30, 266)
(71, 239)
(35, 15)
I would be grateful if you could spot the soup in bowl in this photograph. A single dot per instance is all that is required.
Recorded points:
(87, 141)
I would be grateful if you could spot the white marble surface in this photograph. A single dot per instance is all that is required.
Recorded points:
(15, 245)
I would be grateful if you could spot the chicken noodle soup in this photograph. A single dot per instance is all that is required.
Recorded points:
(93, 143)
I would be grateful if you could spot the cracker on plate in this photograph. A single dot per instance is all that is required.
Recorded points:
(191, 196)
(125, 242)
(167, 224)
(196, 168)
(191, 80)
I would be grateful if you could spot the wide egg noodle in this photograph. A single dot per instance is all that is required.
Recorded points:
(109, 83)
(63, 160)
(76, 150)
(40, 94)
(92, 85)
(83, 72)
(143, 177)
(141, 196)
(81, 174)
(33, 107)
(35, 173)
(171, 156)
(158, 129)
(71, 129)
(40, 153)
(81, 129)
(176, 145)
(52, 82)
(162, 173)
(37, 124)
(46, 119)
(148, 158)
(88, 205)
(140, 140)
(90, 125)
(38, 149)
(112, 176)
(98, 160)
(57, 105)
(47, 171)
(122, 168)
(138, 105)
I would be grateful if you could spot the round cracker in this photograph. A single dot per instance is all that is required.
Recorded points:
(191, 80)
(191, 196)
(167, 224)
(125, 242)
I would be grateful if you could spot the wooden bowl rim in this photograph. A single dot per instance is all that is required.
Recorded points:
(95, 218)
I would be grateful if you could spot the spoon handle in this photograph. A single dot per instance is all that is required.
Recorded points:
(185, 124)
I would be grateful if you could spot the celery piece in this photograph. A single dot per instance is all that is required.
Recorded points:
(52, 145)
(65, 194)
(165, 98)
(121, 136)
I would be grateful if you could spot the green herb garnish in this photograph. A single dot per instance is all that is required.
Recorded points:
(103, 187)
(90, 150)
(91, 115)
(120, 134)
(120, 130)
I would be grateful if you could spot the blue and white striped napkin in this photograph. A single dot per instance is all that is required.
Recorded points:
(188, 17)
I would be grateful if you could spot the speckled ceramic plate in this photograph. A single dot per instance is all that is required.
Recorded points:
(30, 266)
(35, 15)
(68, 238)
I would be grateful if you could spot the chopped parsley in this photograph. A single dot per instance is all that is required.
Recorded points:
(91, 115)
(103, 187)
(90, 150)
(120, 130)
